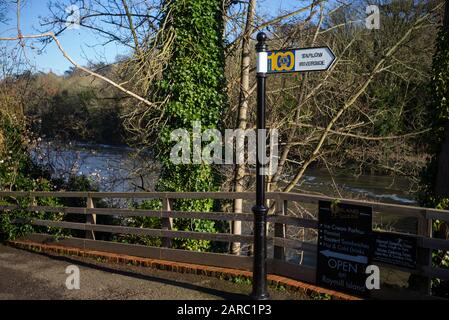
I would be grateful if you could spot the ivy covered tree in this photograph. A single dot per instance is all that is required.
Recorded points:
(437, 174)
(436, 177)
(194, 83)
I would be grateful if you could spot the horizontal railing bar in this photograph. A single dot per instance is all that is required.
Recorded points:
(377, 206)
(434, 243)
(430, 243)
(186, 256)
(295, 244)
(149, 213)
(438, 273)
(56, 194)
(423, 242)
(78, 210)
(10, 207)
(144, 231)
(429, 213)
(135, 195)
(292, 270)
(434, 215)
(300, 222)
(294, 221)
(418, 270)
(225, 216)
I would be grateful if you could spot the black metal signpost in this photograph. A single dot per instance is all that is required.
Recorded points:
(260, 210)
(282, 61)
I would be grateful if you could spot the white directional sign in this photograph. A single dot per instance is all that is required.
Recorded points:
(297, 60)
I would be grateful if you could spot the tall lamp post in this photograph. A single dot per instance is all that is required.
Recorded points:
(260, 210)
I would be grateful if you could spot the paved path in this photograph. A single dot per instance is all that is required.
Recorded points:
(27, 275)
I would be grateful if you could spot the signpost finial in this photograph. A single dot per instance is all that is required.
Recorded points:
(261, 42)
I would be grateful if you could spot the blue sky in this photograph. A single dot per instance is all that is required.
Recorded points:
(80, 43)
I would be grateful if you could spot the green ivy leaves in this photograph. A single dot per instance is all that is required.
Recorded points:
(194, 80)
(440, 80)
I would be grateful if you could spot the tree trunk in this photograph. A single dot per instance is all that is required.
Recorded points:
(242, 116)
(442, 177)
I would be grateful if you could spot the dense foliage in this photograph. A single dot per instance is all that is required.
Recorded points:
(18, 173)
(439, 106)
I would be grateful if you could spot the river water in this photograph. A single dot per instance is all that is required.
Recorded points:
(110, 167)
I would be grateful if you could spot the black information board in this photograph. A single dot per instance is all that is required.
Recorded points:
(344, 246)
(395, 249)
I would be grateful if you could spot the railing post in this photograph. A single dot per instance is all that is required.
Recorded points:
(236, 226)
(425, 229)
(167, 222)
(90, 218)
(279, 228)
(34, 203)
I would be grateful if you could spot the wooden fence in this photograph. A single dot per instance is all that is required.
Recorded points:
(281, 220)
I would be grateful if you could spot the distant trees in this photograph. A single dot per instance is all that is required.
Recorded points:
(73, 107)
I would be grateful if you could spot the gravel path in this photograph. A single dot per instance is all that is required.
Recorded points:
(28, 275)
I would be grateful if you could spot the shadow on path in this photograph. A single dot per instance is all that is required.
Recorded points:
(218, 293)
